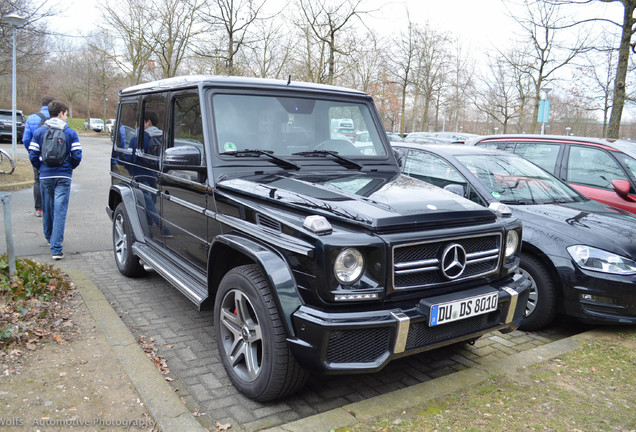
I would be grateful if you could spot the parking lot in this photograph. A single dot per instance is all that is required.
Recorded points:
(150, 307)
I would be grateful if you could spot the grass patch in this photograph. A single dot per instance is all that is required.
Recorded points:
(76, 124)
(22, 173)
(590, 389)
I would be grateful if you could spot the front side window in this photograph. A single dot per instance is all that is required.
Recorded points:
(153, 118)
(593, 167)
(290, 126)
(185, 152)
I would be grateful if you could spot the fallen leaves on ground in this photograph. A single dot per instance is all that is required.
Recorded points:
(151, 351)
(222, 427)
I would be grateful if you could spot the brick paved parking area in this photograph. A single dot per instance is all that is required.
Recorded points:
(151, 307)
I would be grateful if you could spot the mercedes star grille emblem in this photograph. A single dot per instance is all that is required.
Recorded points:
(453, 261)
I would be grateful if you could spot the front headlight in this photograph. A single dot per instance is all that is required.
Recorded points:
(348, 266)
(591, 258)
(512, 242)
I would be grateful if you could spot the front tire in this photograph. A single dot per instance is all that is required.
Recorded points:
(123, 238)
(251, 338)
(541, 306)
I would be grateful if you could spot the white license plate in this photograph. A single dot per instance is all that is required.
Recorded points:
(443, 313)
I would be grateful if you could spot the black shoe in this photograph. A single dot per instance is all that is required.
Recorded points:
(58, 256)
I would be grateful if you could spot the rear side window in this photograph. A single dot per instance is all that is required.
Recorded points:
(593, 167)
(544, 155)
(127, 128)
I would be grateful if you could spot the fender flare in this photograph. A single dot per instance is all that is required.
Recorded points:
(126, 196)
(275, 268)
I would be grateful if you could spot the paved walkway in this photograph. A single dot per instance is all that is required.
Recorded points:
(150, 307)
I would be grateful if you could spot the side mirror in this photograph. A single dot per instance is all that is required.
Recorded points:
(621, 187)
(182, 157)
(456, 189)
(185, 162)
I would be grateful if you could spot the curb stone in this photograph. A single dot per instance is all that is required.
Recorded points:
(351, 414)
(164, 405)
(16, 186)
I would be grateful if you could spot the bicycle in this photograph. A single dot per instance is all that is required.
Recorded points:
(7, 164)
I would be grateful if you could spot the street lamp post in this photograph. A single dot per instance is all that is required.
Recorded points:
(15, 21)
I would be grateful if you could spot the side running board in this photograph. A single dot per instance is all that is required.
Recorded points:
(184, 277)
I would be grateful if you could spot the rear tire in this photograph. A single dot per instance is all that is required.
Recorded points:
(123, 238)
(251, 339)
(541, 306)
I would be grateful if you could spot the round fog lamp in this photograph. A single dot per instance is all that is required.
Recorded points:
(512, 241)
(348, 266)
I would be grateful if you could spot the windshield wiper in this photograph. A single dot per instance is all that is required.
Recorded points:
(256, 152)
(322, 153)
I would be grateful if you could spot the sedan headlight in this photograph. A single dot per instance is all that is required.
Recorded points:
(348, 266)
(512, 242)
(591, 258)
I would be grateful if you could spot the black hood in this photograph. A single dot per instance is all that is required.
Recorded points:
(585, 223)
(377, 200)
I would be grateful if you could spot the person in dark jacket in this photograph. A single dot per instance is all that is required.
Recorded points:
(55, 181)
(33, 122)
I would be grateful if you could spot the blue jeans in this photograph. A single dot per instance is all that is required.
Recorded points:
(55, 196)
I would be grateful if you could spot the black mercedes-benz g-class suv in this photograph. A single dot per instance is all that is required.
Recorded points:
(313, 250)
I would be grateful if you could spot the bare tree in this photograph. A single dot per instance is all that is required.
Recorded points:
(67, 63)
(460, 84)
(174, 26)
(130, 24)
(430, 71)
(326, 19)
(541, 25)
(370, 58)
(267, 56)
(620, 82)
(498, 97)
(402, 66)
(233, 20)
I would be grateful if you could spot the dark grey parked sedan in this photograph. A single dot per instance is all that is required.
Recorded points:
(580, 255)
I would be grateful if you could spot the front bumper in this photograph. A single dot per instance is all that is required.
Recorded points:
(599, 298)
(367, 341)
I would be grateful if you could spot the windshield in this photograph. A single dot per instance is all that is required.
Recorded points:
(513, 180)
(628, 147)
(291, 127)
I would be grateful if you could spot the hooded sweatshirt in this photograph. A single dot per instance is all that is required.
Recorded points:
(72, 143)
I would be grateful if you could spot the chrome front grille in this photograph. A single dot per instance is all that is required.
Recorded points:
(433, 263)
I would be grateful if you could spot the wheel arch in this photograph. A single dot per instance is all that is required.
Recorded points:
(537, 253)
(124, 194)
(230, 250)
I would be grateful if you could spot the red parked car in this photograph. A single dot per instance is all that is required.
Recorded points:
(596, 168)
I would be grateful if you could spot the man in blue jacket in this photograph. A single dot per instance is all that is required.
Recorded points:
(33, 122)
(55, 181)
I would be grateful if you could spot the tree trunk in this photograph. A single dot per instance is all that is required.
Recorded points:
(621, 70)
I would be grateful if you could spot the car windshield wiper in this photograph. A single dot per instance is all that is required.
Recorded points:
(256, 152)
(322, 153)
